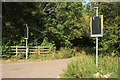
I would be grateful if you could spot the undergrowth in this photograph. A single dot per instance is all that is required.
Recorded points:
(86, 67)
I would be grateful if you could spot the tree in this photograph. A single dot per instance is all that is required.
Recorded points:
(110, 39)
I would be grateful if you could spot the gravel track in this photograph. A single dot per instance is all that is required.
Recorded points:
(42, 69)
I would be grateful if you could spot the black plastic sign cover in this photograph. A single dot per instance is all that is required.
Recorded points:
(26, 33)
(96, 26)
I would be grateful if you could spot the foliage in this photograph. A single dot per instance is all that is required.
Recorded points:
(86, 68)
(110, 39)
(86, 49)
(65, 52)
(63, 23)
(41, 57)
(13, 19)
(21, 56)
(111, 29)
(5, 51)
(46, 43)
(59, 25)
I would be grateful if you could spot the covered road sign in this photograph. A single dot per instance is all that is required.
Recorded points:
(26, 31)
(96, 24)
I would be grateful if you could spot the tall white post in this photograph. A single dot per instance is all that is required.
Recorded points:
(26, 50)
(96, 51)
(96, 41)
(26, 40)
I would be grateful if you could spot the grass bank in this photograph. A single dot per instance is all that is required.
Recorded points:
(86, 68)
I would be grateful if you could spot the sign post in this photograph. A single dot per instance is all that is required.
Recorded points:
(26, 38)
(96, 42)
(97, 30)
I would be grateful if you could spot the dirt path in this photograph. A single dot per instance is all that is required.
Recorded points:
(43, 69)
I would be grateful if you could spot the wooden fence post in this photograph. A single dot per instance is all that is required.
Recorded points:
(49, 50)
(38, 49)
(16, 50)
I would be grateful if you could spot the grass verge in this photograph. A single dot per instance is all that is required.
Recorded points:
(86, 68)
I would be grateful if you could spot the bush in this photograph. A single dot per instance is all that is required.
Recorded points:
(86, 68)
(65, 52)
(88, 50)
(34, 56)
(49, 44)
(21, 56)
(5, 51)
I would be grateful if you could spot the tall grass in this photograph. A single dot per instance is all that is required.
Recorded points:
(86, 67)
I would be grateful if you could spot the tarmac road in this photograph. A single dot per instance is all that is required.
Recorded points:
(42, 69)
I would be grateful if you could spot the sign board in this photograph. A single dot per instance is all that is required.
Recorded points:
(26, 33)
(96, 24)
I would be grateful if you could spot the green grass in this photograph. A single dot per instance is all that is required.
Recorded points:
(86, 67)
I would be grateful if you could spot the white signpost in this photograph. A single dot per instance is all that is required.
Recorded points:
(26, 38)
(97, 30)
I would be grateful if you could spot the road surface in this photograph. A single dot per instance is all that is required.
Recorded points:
(42, 69)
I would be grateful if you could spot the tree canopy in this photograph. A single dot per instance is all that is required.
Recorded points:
(60, 24)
